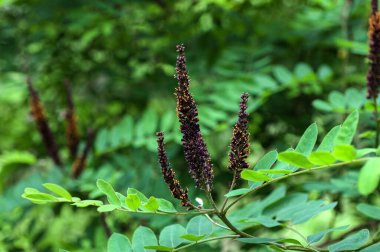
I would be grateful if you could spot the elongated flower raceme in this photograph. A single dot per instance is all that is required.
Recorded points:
(195, 149)
(373, 76)
(42, 123)
(80, 161)
(374, 5)
(239, 147)
(169, 174)
(72, 134)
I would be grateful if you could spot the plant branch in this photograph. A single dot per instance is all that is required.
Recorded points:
(377, 121)
(357, 161)
(229, 190)
(206, 240)
(216, 223)
(169, 213)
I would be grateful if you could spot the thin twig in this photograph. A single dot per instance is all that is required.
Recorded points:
(207, 240)
(229, 190)
(216, 223)
(377, 121)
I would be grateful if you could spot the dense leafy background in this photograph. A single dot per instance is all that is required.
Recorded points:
(301, 61)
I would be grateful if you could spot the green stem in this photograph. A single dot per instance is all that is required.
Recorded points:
(377, 121)
(216, 223)
(296, 232)
(292, 175)
(231, 187)
(168, 213)
(206, 240)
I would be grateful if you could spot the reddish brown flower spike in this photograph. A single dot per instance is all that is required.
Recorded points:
(239, 147)
(72, 134)
(80, 162)
(39, 117)
(169, 174)
(373, 76)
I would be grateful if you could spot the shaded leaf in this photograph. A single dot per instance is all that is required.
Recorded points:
(328, 141)
(170, 236)
(369, 210)
(118, 243)
(352, 242)
(199, 226)
(142, 237)
(348, 129)
(308, 140)
(369, 176)
(317, 237)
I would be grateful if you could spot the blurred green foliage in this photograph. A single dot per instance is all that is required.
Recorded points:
(300, 60)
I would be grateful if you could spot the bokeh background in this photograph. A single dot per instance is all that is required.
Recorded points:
(300, 60)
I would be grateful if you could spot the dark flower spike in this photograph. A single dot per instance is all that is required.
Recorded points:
(195, 149)
(80, 162)
(42, 123)
(374, 5)
(239, 147)
(169, 174)
(373, 76)
(72, 134)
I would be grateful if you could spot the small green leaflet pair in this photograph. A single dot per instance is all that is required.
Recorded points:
(172, 236)
(334, 149)
(135, 201)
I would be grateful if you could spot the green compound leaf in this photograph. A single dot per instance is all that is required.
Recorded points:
(254, 176)
(192, 237)
(151, 204)
(143, 237)
(166, 206)
(59, 190)
(108, 190)
(308, 140)
(199, 226)
(263, 220)
(321, 158)
(86, 203)
(369, 176)
(317, 237)
(274, 171)
(348, 129)
(139, 194)
(133, 202)
(39, 197)
(119, 243)
(352, 242)
(344, 152)
(170, 236)
(266, 162)
(237, 192)
(159, 248)
(295, 158)
(369, 210)
(373, 248)
(328, 141)
(107, 208)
